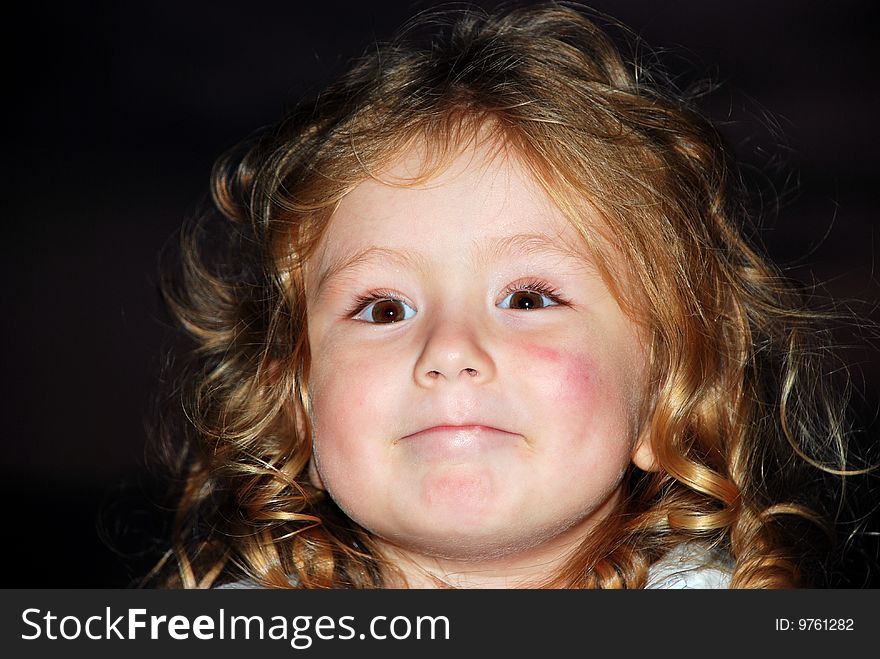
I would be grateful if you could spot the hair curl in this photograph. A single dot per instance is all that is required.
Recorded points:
(742, 423)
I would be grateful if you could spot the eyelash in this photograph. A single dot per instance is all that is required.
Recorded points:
(363, 301)
(538, 286)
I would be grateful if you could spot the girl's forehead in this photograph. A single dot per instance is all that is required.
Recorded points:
(480, 192)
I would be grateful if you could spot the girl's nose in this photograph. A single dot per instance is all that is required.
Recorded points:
(454, 352)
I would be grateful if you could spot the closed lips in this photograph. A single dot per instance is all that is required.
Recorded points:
(457, 440)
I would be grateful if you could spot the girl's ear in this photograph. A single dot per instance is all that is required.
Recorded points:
(314, 476)
(302, 430)
(643, 453)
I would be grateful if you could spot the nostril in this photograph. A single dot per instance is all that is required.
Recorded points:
(471, 371)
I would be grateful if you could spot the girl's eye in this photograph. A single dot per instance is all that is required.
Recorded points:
(527, 300)
(385, 311)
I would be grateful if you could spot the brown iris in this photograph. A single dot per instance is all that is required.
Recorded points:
(526, 300)
(387, 311)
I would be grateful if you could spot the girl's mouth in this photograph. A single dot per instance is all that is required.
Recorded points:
(457, 442)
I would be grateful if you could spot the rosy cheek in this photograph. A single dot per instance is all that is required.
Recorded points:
(580, 377)
(565, 375)
(542, 353)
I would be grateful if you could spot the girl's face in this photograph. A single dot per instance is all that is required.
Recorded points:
(476, 390)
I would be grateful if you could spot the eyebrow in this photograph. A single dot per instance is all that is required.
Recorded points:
(522, 243)
(529, 244)
(340, 266)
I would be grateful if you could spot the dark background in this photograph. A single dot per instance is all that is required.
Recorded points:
(117, 111)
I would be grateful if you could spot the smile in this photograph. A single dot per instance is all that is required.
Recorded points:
(457, 442)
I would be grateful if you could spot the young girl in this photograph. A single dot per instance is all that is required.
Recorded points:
(481, 315)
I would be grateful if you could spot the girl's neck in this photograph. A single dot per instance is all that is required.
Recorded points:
(412, 570)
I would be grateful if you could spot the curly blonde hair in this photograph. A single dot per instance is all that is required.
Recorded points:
(743, 428)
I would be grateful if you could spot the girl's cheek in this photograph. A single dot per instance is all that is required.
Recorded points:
(354, 393)
(564, 375)
(353, 389)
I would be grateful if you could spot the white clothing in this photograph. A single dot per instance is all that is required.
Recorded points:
(690, 566)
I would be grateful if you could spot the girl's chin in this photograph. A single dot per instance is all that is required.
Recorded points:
(495, 538)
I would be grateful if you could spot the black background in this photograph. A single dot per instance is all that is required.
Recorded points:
(117, 111)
